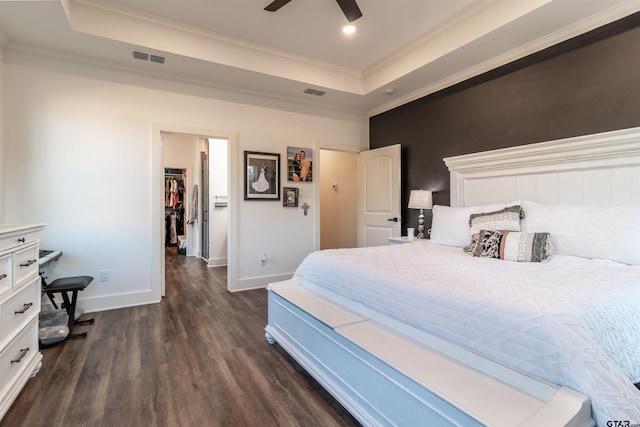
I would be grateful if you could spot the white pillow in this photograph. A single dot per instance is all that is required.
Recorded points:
(603, 232)
(450, 226)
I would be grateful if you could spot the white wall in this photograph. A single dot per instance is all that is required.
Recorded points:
(2, 168)
(78, 156)
(218, 215)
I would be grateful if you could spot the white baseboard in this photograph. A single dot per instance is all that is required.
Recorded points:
(132, 299)
(217, 262)
(108, 302)
(258, 282)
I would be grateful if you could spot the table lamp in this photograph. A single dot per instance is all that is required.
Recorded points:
(420, 199)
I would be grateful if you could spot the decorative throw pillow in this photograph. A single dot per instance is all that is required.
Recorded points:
(513, 246)
(527, 247)
(503, 219)
(450, 225)
(471, 247)
(488, 244)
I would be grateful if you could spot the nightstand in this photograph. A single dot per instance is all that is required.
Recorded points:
(401, 240)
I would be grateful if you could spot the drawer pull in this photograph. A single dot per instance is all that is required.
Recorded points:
(25, 307)
(3, 276)
(28, 263)
(21, 240)
(23, 353)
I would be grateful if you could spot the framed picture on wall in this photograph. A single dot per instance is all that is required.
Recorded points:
(299, 164)
(290, 197)
(262, 176)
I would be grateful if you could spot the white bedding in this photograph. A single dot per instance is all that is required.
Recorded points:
(571, 321)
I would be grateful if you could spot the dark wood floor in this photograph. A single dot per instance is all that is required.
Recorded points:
(199, 358)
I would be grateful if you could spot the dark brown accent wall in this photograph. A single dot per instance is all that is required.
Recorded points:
(588, 84)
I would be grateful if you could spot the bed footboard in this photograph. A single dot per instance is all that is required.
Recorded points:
(383, 377)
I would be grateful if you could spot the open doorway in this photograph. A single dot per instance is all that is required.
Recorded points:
(221, 199)
(338, 177)
(182, 197)
(195, 176)
(359, 197)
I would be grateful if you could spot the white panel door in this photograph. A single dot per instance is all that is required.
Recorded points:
(378, 195)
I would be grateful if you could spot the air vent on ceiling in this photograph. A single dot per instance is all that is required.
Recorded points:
(141, 55)
(156, 58)
(314, 92)
(148, 57)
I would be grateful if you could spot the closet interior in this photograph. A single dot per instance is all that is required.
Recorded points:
(174, 208)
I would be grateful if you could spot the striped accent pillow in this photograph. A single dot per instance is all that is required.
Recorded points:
(513, 246)
(527, 247)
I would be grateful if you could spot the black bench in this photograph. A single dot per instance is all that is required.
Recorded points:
(68, 287)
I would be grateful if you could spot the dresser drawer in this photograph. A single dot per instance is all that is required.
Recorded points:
(26, 263)
(18, 309)
(6, 273)
(18, 240)
(16, 357)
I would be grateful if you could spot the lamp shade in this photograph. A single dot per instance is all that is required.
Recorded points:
(420, 199)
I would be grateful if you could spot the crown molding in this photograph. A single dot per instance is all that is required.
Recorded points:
(613, 14)
(110, 21)
(69, 63)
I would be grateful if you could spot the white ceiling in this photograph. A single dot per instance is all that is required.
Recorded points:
(414, 47)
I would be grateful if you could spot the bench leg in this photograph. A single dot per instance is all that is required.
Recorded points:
(52, 298)
(70, 306)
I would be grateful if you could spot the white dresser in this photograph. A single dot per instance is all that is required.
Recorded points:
(20, 357)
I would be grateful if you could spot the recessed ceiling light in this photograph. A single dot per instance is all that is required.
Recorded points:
(348, 29)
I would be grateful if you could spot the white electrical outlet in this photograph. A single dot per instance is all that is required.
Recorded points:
(263, 260)
(104, 275)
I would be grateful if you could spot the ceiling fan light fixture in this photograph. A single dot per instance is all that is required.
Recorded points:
(349, 29)
(349, 8)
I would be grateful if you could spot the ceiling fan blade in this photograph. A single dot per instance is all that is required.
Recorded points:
(350, 9)
(275, 5)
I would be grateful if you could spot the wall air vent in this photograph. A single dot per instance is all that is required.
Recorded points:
(314, 92)
(148, 57)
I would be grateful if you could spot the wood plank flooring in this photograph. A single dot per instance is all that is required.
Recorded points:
(198, 358)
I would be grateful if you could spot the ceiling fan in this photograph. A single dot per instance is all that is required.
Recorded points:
(349, 8)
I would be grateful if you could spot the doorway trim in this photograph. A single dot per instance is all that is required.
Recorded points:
(157, 201)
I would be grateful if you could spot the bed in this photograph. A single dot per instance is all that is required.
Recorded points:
(427, 334)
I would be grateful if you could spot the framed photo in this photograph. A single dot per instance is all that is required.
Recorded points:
(262, 176)
(299, 164)
(290, 197)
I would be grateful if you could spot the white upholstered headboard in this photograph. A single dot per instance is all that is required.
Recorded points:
(597, 169)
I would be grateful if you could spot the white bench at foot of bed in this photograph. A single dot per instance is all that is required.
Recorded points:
(383, 377)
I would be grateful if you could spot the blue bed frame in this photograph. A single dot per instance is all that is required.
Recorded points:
(385, 373)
